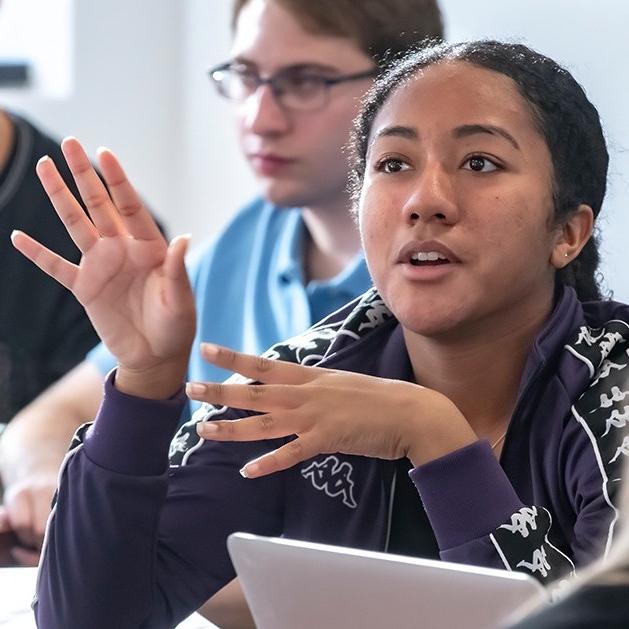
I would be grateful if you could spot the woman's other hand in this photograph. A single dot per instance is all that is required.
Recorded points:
(329, 411)
(132, 284)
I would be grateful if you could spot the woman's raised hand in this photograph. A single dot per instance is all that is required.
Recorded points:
(329, 411)
(132, 284)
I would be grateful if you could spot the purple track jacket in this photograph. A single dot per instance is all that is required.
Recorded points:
(134, 541)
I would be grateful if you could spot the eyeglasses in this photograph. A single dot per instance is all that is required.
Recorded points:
(294, 87)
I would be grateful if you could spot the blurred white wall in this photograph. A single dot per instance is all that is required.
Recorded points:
(44, 42)
(215, 180)
(140, 88)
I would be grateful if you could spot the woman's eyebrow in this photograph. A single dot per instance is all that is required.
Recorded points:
(472, 129)
(462, 131)
(400, 131)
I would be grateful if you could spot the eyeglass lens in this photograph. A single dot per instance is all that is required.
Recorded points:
(294, 89)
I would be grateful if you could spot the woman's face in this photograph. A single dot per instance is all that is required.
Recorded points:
(456, 205)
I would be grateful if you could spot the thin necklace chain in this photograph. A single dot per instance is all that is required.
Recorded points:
(499, 440)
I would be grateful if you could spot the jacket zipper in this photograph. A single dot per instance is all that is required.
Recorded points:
(390, 515)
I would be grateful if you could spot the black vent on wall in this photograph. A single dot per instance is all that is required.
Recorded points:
(14, 73)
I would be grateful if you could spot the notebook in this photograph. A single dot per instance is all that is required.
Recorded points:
(291, 584)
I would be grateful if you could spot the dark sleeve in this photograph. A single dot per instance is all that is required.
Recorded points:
(478, 518)
(132, 543)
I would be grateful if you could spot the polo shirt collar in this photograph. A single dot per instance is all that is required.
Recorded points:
(352, 279)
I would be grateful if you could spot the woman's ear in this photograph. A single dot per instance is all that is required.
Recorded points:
(572, 235)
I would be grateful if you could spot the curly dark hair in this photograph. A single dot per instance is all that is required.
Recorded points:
(564, 116)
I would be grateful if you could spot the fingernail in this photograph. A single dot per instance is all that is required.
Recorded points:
(208, 348)
(249, 470)
(207, 428)
(195, 388)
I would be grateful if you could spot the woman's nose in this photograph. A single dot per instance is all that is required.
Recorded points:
(431, 196)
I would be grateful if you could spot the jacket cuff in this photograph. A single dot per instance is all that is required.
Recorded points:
(466, 494)
(131, 435)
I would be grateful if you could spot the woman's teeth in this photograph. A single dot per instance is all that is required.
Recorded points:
(428, 256)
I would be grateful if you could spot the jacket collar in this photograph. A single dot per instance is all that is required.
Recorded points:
(382, 336)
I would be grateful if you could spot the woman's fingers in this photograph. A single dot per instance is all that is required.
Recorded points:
(49, 262)
(138, 222)
(258, 368)
(177, 292)
(256, 428)
(175, 260)
(69, 210)
(253, 397)
(292, 453)
(92, 190)
(25, 557)
(5, 527)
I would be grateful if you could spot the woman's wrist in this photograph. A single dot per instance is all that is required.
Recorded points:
(445, 431)
(160, 382)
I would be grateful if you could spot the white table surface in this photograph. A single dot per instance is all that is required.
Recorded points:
(16, 592)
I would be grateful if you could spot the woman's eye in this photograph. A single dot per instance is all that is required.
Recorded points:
(480, 164)
(391, 165)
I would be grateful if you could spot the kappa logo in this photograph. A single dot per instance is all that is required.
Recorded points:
(616, 396)
(305, 348)
(521, 521)
(538, 564)
(304, 342)
(179, 443)
(376, 315)
(332, 477)
(610, 340)
(621, 450)
(617, 420)
(586, 336)
(606, 368)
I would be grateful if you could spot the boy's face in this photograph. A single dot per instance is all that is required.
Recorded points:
(298, 156)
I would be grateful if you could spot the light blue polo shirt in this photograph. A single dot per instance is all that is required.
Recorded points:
(250, 290)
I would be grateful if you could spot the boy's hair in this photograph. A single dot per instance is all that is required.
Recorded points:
(381, 28)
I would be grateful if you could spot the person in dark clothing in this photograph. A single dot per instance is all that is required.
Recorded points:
(44, 331)
(484, 356)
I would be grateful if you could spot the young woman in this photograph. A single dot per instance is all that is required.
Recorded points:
(476, 361)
